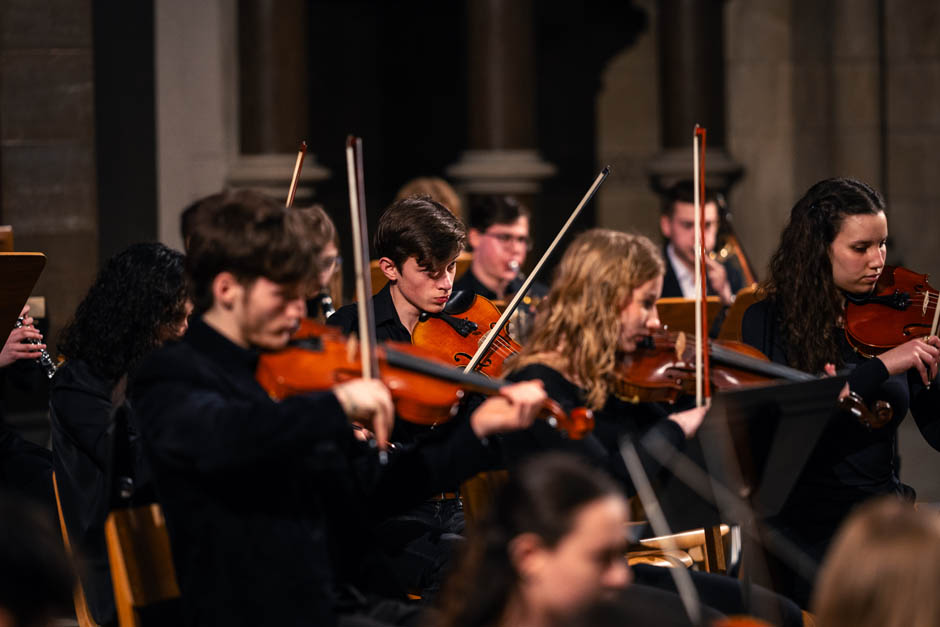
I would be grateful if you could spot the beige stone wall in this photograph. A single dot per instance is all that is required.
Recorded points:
(197, 111)
(912, 96)
(628, 135)
(48, 188)
(808, 98)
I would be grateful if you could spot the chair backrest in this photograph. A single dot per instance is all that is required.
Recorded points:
(82, 613)
(678, 314)
(141, 562)
(731, 327)
(6, 238)
(478, 493)
(379, 280)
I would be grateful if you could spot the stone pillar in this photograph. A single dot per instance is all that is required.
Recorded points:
(273, 98)
(48, 189)
(502, 157)
(692, 90)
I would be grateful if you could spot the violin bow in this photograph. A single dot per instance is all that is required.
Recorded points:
(357, 211)
(702, 385)
(514, 303)
(295, 177)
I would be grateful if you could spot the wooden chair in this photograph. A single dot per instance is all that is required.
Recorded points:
(379, 280)
(477, 493)
(703, 546)
(82, 614)
(731, 327)
(6, 238)
(678, 314)
(145, 587)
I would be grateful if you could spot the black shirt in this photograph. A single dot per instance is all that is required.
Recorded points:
(388, 326)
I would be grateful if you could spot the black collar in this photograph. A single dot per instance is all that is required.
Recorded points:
(229, 355)
(388, 325)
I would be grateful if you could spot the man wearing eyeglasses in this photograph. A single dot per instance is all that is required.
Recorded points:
(499, 238)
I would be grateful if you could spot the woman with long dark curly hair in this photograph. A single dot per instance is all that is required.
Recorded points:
(832, 247)
(137, 302)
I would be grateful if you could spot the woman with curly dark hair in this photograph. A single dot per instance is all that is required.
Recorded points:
(832, 247)
(137, 302)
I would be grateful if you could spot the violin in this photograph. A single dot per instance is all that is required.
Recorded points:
(457, 332)
(902, 306)
(495, 345)
(662, 368)
(425, 389)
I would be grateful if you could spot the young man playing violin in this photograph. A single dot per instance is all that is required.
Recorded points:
(268, 503)
(417, 241)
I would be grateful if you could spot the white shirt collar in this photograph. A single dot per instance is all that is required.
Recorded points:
(684, 275)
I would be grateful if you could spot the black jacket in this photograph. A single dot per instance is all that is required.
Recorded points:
(258, 494)
(80, 413)
(671, 287)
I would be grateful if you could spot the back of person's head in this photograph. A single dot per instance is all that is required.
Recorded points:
(252, 235)
(543, 496)
(683, 191)
(137, 300)
(485, 211)
(422, 228)
(882, 570)
(435, 187)
(36, 576)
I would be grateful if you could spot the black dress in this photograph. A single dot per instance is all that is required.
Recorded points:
(850, 463)
(601, 447)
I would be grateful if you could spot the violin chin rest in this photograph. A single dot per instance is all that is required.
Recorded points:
(460, 301)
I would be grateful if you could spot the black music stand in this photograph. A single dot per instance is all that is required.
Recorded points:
(20, 272)
(755, 444)
(758, 440)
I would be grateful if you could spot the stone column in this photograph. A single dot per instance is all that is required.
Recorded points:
(273, 98)
(692, 90)
(502, 157)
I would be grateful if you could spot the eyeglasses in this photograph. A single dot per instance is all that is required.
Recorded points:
(507, 239)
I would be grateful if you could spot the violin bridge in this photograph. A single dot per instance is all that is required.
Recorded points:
(680, 345)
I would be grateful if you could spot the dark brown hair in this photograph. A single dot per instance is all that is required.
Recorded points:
(485, 211)
(543, 496)
(422, 228)
(252, 235)
(138, 297)
(800, 284)
(683, 191)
